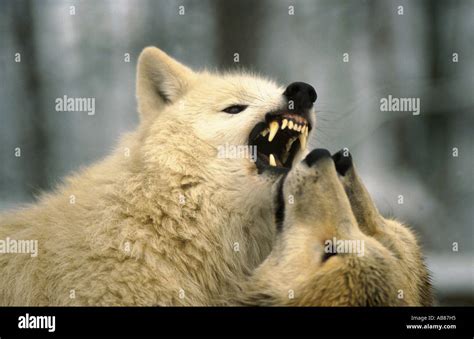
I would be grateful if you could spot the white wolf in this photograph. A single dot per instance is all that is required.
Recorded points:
(165, 221)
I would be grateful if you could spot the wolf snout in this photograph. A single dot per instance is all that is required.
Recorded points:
(343, 161)
(316, 155)
(302, 94)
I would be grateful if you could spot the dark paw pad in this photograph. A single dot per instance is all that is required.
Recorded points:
(315, 155)
(343, 162)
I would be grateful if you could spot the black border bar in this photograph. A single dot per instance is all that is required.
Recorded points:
(238, 321)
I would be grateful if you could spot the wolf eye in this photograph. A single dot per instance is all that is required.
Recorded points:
(235, 109)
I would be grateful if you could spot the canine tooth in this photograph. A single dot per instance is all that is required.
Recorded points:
(272, 160)
(290, 125)
(264, 132)
(303, 140)
(306, 131)
(299, 128)
(273, 130)
(284, 124)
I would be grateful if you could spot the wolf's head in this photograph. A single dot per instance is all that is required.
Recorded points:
(249, 124)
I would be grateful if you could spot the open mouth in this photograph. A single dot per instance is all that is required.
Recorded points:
(278, 140)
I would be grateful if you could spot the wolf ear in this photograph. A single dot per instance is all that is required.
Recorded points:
(160, 80)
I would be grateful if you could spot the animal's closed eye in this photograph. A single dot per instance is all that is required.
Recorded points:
(234, 109)
(327, 255)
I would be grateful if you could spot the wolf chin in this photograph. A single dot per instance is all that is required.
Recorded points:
(163, 220)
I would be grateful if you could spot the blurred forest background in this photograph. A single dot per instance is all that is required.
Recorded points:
(397, 153)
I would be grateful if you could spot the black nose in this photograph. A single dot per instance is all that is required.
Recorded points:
(301, 94)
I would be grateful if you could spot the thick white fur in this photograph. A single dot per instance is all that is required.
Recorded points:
(129, 239)
(164, 221)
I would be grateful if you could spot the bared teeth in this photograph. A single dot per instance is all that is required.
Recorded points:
(302, 129)
(303, 140)
(273, 130)
(271, 160)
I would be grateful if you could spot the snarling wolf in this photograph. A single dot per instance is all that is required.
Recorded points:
(164, 220)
